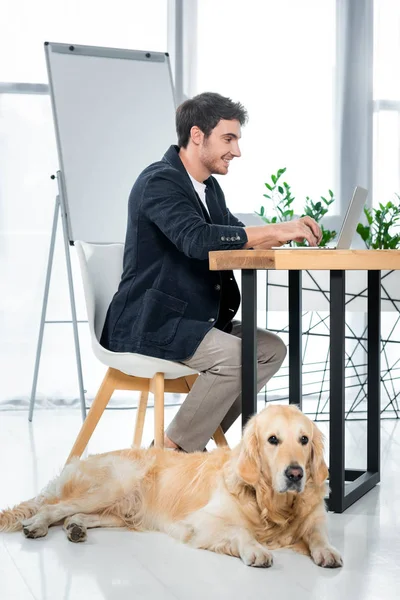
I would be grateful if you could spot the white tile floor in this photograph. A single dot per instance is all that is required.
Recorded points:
(120, 565)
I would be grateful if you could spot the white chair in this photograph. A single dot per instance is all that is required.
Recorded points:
(101, 268)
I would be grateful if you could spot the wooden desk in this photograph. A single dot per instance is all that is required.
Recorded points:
(337, 262)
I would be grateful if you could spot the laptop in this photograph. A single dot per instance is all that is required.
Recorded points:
(349, 225)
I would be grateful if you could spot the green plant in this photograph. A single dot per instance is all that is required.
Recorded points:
(380, 233)
(281, 196)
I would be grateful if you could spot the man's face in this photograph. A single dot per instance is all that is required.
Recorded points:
(222, 145)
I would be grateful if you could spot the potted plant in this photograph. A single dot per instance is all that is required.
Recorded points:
(380, 231)
(281, 196)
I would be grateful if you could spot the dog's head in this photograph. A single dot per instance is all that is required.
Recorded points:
(283, 447)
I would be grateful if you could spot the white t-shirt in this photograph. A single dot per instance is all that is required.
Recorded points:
(200, 188)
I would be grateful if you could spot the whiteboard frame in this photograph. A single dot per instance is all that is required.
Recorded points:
(97, 51)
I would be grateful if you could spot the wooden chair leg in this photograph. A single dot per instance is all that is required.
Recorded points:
(141, 413)
(157, 387)
(219, 437)
(99, 403)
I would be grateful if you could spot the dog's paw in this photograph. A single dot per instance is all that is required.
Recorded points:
(33, 528)
(76, 532)
(327, 557)
(256, 555)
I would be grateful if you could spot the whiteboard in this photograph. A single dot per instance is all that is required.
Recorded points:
(114, 114)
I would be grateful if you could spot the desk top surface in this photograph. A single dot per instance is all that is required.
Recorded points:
(298, 260)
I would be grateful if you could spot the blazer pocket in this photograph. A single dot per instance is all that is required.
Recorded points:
(159, 317)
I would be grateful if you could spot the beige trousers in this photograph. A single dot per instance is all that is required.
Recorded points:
(215, 397)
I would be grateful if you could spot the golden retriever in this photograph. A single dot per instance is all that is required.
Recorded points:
(266, 493)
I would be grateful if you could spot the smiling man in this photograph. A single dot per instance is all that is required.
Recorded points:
(169, 304)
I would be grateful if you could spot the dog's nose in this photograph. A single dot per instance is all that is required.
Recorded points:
(294, 473)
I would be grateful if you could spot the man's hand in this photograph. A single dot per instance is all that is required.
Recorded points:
(277, 234)
(298, 231)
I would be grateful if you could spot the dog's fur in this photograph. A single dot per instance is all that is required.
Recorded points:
(238, 502)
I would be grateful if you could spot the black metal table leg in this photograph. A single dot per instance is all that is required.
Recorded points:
(295, 338)
(374, 373)
(337, 391)
(249, 344)
(341, 496)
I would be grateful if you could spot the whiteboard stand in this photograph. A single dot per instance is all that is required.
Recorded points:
(59, 204)
(113, 110)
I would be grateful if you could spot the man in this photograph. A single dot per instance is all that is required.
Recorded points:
(169, 304)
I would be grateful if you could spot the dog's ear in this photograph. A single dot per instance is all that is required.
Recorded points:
(248, 466)
(319, 470)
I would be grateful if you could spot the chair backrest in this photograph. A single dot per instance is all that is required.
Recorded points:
(101, 269)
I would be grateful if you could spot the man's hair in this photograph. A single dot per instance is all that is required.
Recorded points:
(206, 111)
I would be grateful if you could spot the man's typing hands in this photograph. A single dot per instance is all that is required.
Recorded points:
(265, 237)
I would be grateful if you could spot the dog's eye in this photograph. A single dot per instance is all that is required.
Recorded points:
(304, 440)
(273, 440)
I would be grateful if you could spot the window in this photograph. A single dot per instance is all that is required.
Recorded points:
(26, 25)
(386, 100)
(28, 158)
(283, 73)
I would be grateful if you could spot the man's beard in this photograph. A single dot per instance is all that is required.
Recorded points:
(213, 164)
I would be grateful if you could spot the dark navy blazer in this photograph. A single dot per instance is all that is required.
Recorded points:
(168, 299)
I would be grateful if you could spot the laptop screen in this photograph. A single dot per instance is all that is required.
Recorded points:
(351, 218)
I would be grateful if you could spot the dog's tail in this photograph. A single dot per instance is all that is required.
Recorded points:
(10, 518)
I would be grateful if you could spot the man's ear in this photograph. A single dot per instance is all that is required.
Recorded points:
(248, 466)
(319, 470)
(196, 135)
